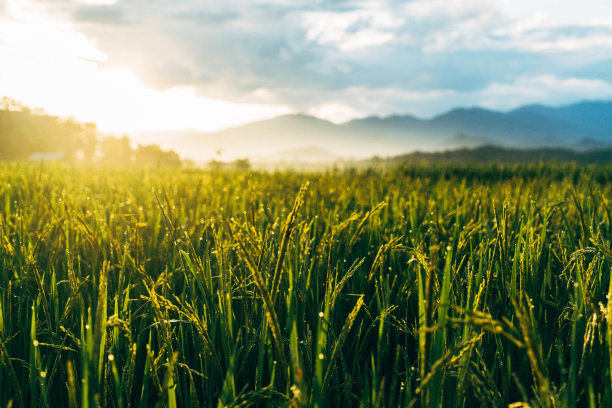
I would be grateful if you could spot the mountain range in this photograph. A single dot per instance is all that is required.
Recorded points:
(303, 138)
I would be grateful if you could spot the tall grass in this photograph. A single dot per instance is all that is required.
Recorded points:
(414, 286)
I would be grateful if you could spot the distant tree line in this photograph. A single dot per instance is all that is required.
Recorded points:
(27, 134)
(237, 165)
(502, 155)
(117, 151)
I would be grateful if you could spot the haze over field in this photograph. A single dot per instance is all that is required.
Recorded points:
(165, 72)
(302, 138)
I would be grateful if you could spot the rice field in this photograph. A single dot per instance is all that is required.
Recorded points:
(452, 286)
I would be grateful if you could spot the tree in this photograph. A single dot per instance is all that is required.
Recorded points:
(241, 164)
(154, 156)
(116, 151)
(24, 132)
(90, 141)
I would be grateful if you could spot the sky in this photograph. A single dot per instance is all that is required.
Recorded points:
(169, 64)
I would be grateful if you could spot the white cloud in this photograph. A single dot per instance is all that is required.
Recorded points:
(337, 112)
(47, 41)
(562, 12)
(360, 101)
(440, 26)
(541, 33)
(542, 89)
(570, 43)
(351, 30)
(437, 10)
(365, 38)
(98, 2)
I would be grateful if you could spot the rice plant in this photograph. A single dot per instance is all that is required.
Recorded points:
(453, 286)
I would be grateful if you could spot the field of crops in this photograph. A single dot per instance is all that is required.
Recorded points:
(412, 287)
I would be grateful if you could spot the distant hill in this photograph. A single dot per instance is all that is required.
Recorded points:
(507, 129)
(594, 119)
(586, 125)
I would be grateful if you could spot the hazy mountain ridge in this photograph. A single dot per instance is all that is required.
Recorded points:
(585, 125)
(594, 116)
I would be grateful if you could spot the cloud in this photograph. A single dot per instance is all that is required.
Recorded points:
(542, 35)
(99, 14)
(351, 30)
(337, 112)
(209, 18)
(543, 88)
(361, 101)
(600, 68)
(97, 2)
(348, 58)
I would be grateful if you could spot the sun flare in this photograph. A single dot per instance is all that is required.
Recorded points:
(48, 65)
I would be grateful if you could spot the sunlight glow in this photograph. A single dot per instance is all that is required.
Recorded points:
(47, 65)
(336, 112)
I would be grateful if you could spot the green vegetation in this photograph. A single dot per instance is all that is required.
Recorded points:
(24, 132)
(27, 134)
(414, 287)
(117, 152)
(501, 155)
